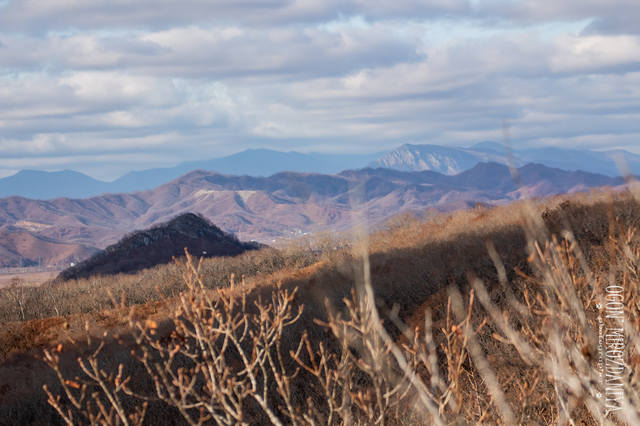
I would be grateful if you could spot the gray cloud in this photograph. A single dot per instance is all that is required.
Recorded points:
(37, 16)
(179, 81)
(617, 24)
(215, 52)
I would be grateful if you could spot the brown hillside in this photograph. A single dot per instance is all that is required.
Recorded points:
(19, 247)
(412, 266)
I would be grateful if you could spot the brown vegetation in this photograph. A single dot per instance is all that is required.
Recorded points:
(93, 294)
(480, 316)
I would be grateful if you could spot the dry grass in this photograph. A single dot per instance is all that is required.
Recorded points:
(60, 298)
(479, 316)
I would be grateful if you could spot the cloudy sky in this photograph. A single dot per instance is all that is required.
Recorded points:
(107, 86)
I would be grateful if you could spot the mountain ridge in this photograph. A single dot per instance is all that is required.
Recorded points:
(265, 163)
(286, 204)
(254, 162)
(458, 159)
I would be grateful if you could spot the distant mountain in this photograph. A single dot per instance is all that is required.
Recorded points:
(45, 185)
(603, 162)
(286, 204)
(427, 157)
(252, 162)
(452, 160)
(20, 247)
(489, 147)
(265, 162)
(446, 160)
(158, 245)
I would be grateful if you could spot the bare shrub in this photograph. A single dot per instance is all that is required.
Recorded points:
(16, 296)
(154, 284)
(222, 361)
(522, 349)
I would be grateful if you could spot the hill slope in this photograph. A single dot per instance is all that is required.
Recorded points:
(20, 247)
(158, 245)
(440, 268)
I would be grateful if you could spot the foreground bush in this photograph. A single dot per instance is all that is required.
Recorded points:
(553, 343)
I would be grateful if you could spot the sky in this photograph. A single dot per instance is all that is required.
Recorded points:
(108, 86)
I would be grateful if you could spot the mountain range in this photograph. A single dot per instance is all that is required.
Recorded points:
(254, 162)
(279, 206)
(264, 162)
(452, 160)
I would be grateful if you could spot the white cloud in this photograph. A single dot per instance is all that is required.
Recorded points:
(37, 16)
(184, 80)
(593, 53)
(215, 52)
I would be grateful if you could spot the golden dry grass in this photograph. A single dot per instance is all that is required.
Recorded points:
(422, 277)
(55, 298)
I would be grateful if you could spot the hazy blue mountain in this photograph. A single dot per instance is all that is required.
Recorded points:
(47, 185)
(251, 162)
(141, 180)
(602, 162)
(452, 160)
(265, 162)
(436, 158)
(427, 157)
(489, 147)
